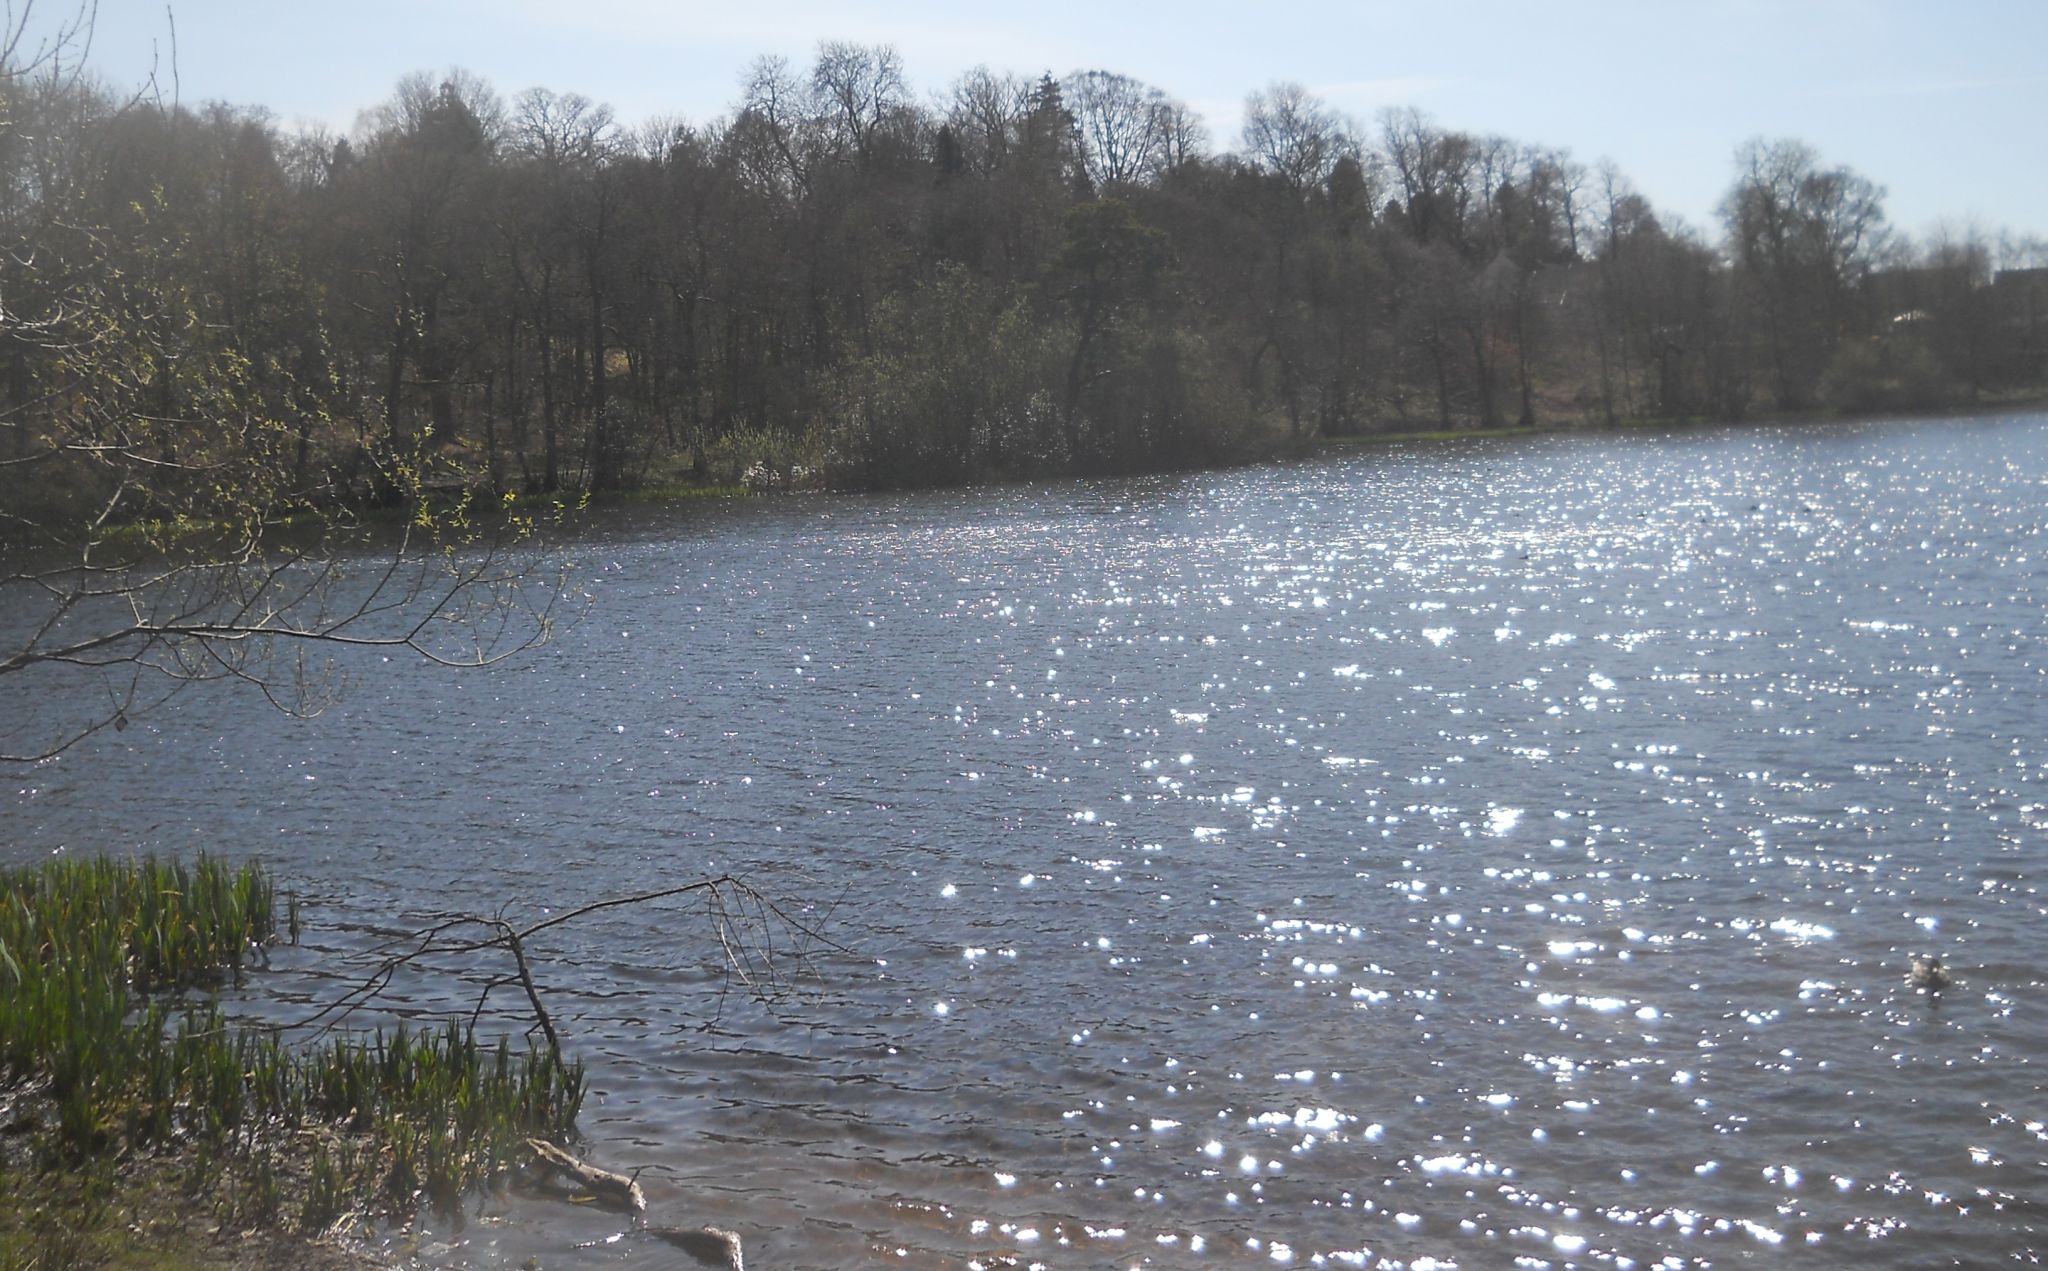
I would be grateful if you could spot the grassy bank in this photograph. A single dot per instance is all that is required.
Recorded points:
(1398, 436)
(1988, 405)
(140, 1126)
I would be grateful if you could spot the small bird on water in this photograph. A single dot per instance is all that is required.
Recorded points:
(1928, 975)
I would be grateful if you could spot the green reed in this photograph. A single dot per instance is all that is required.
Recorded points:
(98, 963)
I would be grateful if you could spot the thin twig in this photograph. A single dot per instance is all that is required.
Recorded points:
(735, 908)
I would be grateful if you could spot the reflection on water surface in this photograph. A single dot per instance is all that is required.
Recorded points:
(1444, 856)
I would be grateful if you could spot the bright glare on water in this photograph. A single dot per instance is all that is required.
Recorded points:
(1452, 855)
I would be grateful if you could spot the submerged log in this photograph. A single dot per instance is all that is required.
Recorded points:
(712, 1246)
(616, 1190)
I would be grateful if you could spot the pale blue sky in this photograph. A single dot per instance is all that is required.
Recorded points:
(1944, 102)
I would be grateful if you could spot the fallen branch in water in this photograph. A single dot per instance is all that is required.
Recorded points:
(617, 1190)
(764, 947)
(712, 1246)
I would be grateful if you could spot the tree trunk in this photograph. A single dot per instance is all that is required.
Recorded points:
(604, 466)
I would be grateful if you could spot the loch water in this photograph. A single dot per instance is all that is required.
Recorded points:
(1474, 854)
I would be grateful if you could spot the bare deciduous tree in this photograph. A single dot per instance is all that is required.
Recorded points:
(1295, 135)
(1118, 123)
(857, 89)
(1802, 236)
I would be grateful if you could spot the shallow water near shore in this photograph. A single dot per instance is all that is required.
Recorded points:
(1446, 855)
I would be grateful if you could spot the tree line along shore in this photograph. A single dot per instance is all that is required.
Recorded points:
(846, 283)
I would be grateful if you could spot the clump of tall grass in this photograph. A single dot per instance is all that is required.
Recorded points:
(449, 1112)
(97, 962)
(82, 944)
(156, 925)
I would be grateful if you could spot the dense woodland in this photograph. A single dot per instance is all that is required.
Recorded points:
(846, 282)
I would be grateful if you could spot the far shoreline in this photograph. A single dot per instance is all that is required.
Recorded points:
(678, 492)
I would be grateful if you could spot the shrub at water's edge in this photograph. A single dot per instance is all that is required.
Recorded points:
(109, 1052)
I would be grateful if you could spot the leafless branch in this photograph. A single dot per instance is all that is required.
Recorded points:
(764, 948)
